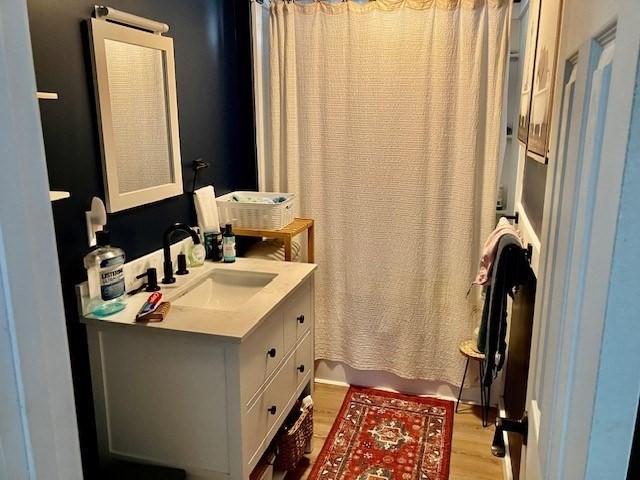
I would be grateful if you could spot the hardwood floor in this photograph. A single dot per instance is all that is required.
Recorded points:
(470, 458)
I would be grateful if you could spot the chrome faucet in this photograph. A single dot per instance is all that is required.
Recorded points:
(166, 246)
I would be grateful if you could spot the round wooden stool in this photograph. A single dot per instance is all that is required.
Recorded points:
(469, 349)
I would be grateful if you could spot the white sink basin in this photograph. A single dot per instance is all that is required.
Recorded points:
(226, 290)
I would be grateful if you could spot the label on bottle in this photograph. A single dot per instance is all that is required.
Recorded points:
(112, 278)
(229, 248)
(209, 244)
(213, 245)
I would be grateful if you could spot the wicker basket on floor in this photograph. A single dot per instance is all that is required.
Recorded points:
(292, 443)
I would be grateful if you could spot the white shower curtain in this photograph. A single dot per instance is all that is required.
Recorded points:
(386, 122)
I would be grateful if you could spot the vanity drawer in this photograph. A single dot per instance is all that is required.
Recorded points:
(280, 390)
(255, 426)
(269, 408)
(297, 315)
(304, 358)
(260, 355)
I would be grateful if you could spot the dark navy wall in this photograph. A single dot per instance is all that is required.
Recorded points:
(213, 75)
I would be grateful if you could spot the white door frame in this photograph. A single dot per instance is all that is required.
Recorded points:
(38, 431)
(618, 380)
(586, 421)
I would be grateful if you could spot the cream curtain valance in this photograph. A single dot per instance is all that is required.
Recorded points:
(333, 8)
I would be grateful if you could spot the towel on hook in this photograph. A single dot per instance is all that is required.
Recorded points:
(511, 271)
(207, 209)
(490, 249)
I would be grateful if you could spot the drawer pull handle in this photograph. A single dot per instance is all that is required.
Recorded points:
(301, 368)
(301, 319)
(272, 353)
(272, 410)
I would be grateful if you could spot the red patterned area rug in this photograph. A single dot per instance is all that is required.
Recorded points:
(382, 435)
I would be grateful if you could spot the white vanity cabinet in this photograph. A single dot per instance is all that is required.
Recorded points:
(209, 404)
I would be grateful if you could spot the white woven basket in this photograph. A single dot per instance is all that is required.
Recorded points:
(256, 215)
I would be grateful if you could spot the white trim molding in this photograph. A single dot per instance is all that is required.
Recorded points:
(38, 430)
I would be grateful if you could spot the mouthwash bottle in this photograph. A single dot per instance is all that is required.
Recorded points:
(105, 274)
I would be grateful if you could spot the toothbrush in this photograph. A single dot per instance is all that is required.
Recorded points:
(150, 305)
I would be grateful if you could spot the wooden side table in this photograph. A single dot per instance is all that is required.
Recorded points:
(286, 234)
(469, 349)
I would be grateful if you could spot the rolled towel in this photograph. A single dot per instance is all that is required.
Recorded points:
(207, 209)
(248, 199)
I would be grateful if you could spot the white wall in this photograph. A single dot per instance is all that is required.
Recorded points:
(510, 161)
(585, 17)
(38, 431)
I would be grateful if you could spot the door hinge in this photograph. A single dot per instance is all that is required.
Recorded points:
(508, 425)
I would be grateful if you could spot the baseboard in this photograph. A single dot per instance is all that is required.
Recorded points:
(340, 374)
(336, 383)
(507, 468)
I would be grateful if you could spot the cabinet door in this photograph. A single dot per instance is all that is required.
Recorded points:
(255, 427)
(297, 315)
(261, 354)
(279, 392)
(268, 411)
(303, 364)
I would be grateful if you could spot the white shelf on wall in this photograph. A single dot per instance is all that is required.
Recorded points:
(58, 195)
(47, 95)
(54, 195)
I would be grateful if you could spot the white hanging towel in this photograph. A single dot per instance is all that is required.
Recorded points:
(207, 209)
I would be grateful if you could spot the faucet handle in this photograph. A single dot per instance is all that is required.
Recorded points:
(182, 265)
(152, 280)
(151, 285)
(168, 273)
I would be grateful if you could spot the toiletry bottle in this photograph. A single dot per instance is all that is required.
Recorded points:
(228, 245)
(212, 243)
(196, 255)
(105, 273)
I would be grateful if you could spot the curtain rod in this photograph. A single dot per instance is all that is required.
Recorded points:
(111, 14)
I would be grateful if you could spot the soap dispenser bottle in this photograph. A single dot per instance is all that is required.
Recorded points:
(105, 274)
(228, 245)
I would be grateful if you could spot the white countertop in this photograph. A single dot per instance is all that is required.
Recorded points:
(231, 325)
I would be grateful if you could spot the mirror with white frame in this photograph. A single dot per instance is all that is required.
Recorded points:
(138, 114)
